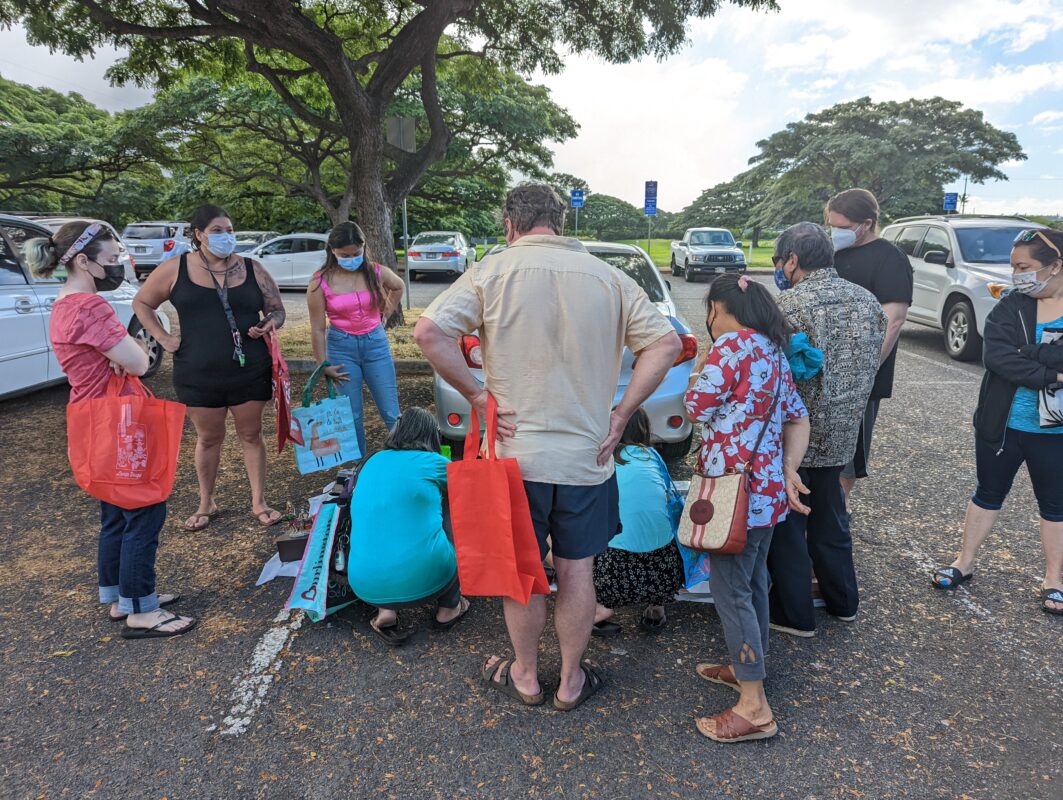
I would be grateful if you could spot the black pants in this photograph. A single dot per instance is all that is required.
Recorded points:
(821, 542)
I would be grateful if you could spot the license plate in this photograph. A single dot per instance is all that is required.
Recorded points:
(141, 250)
(721, 269)
(431, 256)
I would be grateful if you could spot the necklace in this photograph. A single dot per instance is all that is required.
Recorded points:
(225, 271)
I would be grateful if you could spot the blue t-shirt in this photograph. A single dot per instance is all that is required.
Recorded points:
(1025, 412)
(643, 503)
(399, 551)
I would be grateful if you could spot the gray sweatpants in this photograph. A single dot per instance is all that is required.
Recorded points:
(739, 585)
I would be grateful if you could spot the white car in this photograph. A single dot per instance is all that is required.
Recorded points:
(27, 360)
(292, 259)
(443, 252)
(55, 223)
(962, 263)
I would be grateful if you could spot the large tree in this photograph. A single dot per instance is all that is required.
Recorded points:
(363, 51)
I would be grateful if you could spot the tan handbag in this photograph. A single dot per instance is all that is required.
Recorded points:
(716, 514)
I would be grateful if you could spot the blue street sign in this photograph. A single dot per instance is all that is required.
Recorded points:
(952, 200)
(650, 206)
(577, 198)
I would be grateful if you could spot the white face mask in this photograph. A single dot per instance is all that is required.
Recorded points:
(1027, 282)
(844, 237)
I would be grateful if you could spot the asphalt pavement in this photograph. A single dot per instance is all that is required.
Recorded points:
(926, 695)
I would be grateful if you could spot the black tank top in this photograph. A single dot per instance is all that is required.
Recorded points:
(205, 357)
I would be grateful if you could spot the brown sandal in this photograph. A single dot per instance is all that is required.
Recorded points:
(718, 673)
(268, 514)
(730, 727)
(505, 684)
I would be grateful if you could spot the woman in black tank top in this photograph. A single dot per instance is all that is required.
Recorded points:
(225, 305)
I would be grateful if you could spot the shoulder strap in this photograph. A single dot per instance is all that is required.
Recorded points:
(770, 414)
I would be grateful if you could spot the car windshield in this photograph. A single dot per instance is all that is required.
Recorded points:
(987, 245)
(635, 267)
(713, 238)
(434, 238)
(149, 232)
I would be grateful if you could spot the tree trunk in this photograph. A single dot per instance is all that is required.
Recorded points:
(374, 214)
(756, 236)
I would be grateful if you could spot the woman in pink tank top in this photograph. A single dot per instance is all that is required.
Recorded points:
(349, 300)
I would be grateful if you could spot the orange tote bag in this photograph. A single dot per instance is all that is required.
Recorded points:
(497, 551)
(123, 449)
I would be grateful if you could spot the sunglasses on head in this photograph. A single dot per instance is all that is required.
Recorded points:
(1030, 235)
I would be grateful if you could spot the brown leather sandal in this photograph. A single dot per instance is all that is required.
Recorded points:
(718, 673)
(730, 727)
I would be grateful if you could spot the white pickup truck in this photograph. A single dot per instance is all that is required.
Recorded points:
(707, 252)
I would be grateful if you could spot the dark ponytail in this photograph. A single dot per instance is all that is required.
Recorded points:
(752, 305)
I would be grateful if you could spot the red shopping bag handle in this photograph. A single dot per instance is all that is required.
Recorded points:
(472, 438)
(117, 383)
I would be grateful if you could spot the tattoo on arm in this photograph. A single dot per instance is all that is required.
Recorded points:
(272, 304)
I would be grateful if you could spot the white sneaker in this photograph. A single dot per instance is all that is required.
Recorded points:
(848, 619)
(803, 634)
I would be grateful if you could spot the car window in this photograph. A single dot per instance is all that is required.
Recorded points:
(890, 234)
(433, 238)
(280, 247)
(313, 245)
(635, 267)
(910, 237)
(935, 241)
(716, 238)
(10, 271)
(150, 232)
(988, 245)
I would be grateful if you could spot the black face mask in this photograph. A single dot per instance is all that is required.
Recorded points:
(113, 275)
(708, 328)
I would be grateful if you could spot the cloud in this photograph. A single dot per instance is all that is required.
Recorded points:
(1037, 206)
(1003, 85)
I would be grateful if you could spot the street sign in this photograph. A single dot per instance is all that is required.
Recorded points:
(952, 200)
(577, 198)
(650, 206)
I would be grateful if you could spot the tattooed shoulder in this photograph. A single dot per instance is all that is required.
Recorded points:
(272, 304)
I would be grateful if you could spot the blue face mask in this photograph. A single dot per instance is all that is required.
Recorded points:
(221, 244)
(781, 280)
(352, 264)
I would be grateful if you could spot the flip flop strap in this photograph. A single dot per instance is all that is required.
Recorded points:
(951, 573)
(1052, 595)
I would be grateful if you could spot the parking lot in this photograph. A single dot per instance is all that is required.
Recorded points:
(927, 695)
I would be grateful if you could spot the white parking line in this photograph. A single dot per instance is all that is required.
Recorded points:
(250, 687)
(943, 365)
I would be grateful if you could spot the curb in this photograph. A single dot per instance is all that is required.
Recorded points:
(403, 366)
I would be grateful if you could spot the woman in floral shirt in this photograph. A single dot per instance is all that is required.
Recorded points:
(732, 394)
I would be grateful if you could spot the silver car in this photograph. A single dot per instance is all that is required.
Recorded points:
(669, 428)
(55, 223)
(962, 263)
(442, 252)
(151, 243)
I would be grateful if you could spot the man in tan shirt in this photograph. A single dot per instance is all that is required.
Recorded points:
(553, 322)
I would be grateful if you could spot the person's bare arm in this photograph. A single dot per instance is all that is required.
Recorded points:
(896, 314)
(650, 368)
(795, 435)
(129, 356)
(154, 291)
(445, 356)
(393, 289)
(315, 301)
(272, 304)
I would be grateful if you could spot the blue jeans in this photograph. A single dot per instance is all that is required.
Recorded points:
(368, 358)
(128, 541)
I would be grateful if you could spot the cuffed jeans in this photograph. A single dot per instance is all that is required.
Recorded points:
(821, 542)
(739, 585)
(366, 358)
(126, 559)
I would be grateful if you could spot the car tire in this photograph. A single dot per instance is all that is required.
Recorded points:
(413, 275)
(673, 451)
(962, 341)
(155, 351)
(457, 448)
(675, 268)
(686, 273)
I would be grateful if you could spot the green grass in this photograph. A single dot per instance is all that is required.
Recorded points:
(661, 252)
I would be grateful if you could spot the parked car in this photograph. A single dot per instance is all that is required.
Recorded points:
(670, 430)
(962, 264)
(446, 252)
(293, 259)
(249, 240)
(151, 243)
(55, 223)
(26, 355)
(707, 252)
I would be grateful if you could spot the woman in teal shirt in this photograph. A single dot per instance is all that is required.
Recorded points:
(400, 555)
(642, 564)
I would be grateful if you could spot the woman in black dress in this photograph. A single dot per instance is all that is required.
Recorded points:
(225, 305)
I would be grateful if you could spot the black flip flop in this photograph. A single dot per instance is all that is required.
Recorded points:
(392, 634)
(1052, 596)
(605, 628)
(593, 680)
(651, 625)
(446, 626)
(954, 577)
(505, 685)
(154, 633)
(169, 602)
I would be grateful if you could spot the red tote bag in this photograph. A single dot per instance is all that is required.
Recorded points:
(497, 551)
(123, 449)
(282, 395)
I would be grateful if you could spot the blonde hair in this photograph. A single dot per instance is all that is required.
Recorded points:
(44, 252)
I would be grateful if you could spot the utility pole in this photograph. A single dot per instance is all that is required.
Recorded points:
(963, 197)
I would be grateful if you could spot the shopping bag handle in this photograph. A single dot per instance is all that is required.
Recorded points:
(472, 438)
(116, 385)
(315, 376)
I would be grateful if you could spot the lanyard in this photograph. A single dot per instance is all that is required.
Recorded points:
(223, 294)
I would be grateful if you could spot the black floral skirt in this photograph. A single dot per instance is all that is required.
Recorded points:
(622, 578)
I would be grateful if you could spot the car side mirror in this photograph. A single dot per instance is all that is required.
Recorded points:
(739, 245)
(668, 284)
(937, 257)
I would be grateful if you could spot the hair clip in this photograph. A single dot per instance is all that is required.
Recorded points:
(743, 282)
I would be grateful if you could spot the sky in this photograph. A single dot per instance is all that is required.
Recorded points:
(693, 120)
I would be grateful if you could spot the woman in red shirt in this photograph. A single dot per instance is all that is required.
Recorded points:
(91, 344)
